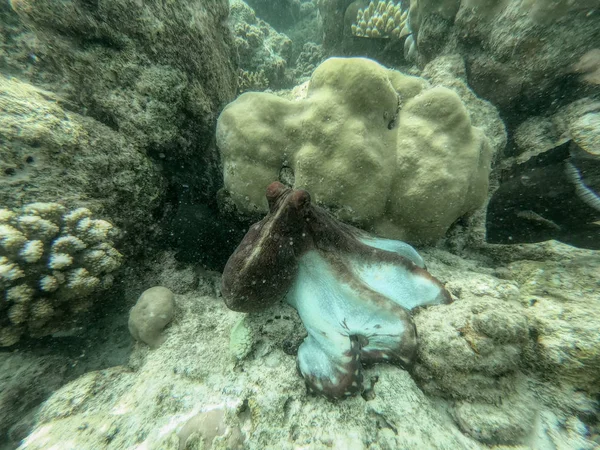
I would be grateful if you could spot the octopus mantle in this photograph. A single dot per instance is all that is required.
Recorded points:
(354, 292)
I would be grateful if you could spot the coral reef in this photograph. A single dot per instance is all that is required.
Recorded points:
(51, 261)
(519, 54)
(381, 19)
(262, 50)
(50, 153)
(151, 314)
(425, 162)
(353, 291)
(192, 373)
(308, 60)
(158, 75)
(252, 81)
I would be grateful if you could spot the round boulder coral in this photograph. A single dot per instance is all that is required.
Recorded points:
(381, 149)
(151, 314)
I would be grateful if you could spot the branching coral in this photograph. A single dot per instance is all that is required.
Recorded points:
(51, 260)
(381, 18)
(385, 19)
(259, 46)
(252, 81)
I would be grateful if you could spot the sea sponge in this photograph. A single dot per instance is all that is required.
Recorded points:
(383, 150)
(151, 314)
(51, 261)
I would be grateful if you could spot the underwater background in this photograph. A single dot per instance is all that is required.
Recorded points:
(292, 224)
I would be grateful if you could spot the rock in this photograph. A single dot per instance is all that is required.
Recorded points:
(98, 168)
(207, 426)
(26, 380)
(160, 80)
(551, 188)
(151, 314)
(496, 37)
(192, 373)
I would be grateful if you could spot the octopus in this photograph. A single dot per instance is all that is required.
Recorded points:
(354, 292)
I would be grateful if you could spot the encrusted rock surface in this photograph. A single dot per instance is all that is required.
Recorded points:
(157, 74)
(519, 53)
(51, 154)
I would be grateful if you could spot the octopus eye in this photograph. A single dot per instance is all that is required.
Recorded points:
(300, 199)
(274, 191)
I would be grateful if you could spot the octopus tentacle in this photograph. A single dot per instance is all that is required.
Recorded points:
(335, 374)
(343, 316)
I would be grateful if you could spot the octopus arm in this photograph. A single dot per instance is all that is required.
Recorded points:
(403, 282)
(391, 245)
(347, 324)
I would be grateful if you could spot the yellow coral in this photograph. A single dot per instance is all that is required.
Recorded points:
(37, 228)
(32, 251)
(9, 335)
(60, 261)
(11, 239)
(9, 271)
(63, 257)
(21, 293)
(75, 216)
(49, 211)
(17, 313)
(49, 283)
(6, 215)
(42, 309)
(380, 19)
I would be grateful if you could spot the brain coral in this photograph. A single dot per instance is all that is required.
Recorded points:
(383, 150)
(51, 261)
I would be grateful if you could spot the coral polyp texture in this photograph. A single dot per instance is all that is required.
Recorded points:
(353, 292)
(381, 19)
(383, 150)
(51, 260)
